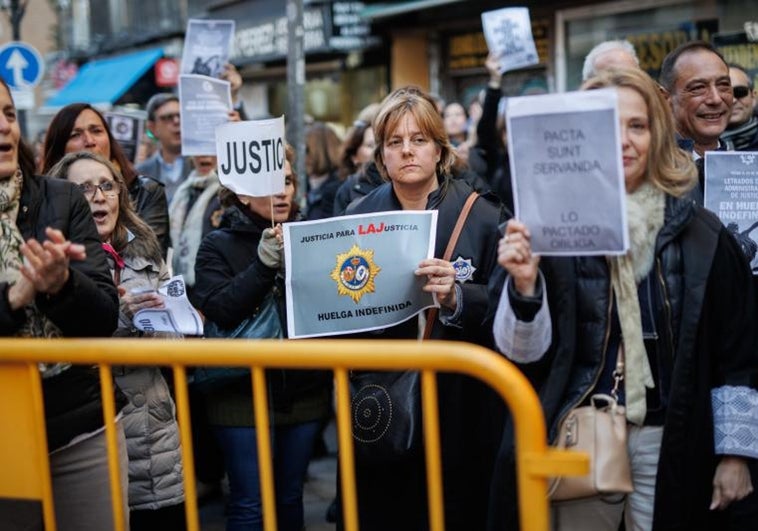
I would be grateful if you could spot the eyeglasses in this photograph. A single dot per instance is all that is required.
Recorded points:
(740, 91)
(170, 117)
(108, 188)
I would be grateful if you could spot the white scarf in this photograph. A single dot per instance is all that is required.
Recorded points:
(645, 212)
(187, 226)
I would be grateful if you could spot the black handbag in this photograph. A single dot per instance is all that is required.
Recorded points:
(386, 406)
(386, 415)
(264, 324)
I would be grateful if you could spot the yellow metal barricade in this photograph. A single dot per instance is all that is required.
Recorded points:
(21, 405)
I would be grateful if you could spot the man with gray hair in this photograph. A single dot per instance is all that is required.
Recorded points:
(609, 54)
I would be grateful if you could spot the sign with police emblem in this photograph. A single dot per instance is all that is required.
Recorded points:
(356, 273)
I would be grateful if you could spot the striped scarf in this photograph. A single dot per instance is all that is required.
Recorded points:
(36, 324)
(743, 136)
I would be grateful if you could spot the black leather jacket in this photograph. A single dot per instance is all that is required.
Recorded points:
(149, 197)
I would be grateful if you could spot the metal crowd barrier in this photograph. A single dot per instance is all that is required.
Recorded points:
(23, 448)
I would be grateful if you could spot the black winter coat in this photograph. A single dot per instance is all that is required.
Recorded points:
(706, 330)
(356, 186)
(149, 199)
(320, 202)
(87, 306)
(230, 284)
(393, 495)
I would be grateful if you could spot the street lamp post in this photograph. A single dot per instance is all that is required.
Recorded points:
(296, 89)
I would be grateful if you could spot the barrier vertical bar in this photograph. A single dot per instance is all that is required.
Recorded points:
(48, 506)
(185, 436)
(346, 451)
(263, 437)
(109, 419)
(432, 450)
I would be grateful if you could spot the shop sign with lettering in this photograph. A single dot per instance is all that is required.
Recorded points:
(267, 40)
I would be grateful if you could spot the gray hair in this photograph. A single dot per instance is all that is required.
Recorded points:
(588, 70)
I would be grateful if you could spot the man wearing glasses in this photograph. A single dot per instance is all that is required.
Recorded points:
(167, 164)
(742, 130)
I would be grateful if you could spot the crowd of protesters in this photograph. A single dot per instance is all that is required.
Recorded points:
(85, 238)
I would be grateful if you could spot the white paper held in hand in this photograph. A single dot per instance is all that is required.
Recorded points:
(177, 315)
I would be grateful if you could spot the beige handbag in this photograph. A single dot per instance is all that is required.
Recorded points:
(600, 431)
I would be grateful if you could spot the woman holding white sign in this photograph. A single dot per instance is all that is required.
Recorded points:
(664, 334)
(414, 155)
(156, 491)
(239, 287)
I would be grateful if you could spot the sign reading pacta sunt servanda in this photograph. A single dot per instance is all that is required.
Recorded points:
(251, 156)
(567, 172)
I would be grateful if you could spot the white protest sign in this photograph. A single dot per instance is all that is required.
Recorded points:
(567, 172)
(731, 192)
(251, 156)
(177, 315)
(356, 273)
(207, 46)
(508, 33)
(204, 103)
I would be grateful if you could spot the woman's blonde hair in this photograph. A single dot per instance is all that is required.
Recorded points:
(128, 220)
(414, 101)
(668, 167)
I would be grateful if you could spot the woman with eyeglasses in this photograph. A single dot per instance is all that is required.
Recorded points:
(54, 282)
(156, 491)
(81, 127)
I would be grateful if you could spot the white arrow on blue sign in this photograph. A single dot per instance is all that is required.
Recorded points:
(21, 65)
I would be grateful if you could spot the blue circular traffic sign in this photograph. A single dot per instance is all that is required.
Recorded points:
(21, 65)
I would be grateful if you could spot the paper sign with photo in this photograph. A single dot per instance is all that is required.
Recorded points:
(355, 273)
(207, 47)
(177, 315)
(731, 192)
(127, 128)
(251, 156)
(567, 172)
(508, 33)
(204, 104)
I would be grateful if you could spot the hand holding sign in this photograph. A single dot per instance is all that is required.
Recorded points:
(251, 156)
(567, 173)
(514, 254)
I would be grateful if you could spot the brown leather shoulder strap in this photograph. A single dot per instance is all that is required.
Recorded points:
(431, 315)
